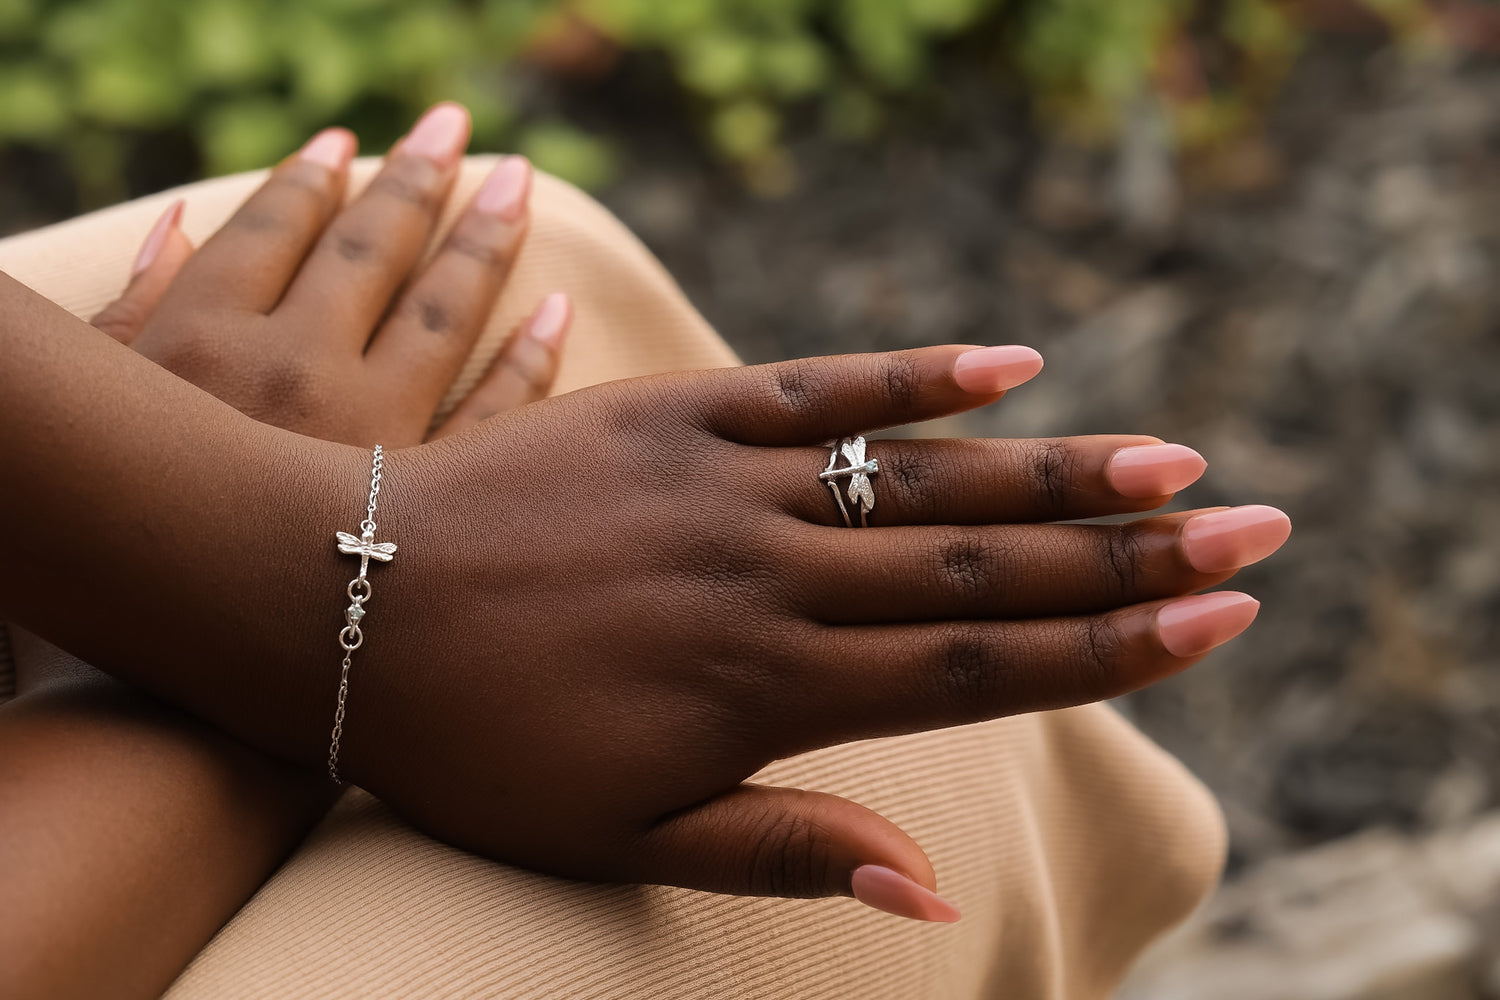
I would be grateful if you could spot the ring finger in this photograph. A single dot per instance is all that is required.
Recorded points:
(990, 481)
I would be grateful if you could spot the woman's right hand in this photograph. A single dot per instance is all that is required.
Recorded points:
(611, 608)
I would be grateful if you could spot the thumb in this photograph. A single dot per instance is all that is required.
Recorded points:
(161, 256)
(760, 840)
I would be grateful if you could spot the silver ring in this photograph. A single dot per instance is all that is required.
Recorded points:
(859, 470)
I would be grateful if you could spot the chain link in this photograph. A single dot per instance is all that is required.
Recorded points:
(351, 637)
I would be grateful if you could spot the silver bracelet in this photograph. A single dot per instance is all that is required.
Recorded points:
(350, 636)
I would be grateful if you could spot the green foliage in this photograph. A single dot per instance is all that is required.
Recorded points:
(249, 79)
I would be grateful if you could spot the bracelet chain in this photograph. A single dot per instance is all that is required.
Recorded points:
(351, 636)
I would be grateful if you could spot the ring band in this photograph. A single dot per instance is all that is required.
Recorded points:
(859, 470)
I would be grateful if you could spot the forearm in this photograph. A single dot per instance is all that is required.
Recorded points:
(118, 813)
(162, 535)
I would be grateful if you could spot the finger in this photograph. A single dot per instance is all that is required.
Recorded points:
(1032, 571)
(759, 840)
(161, 256)
(249, 262)
(523, 372)
(815, 399)
(993, 481)
(919, 677)
(368, 251)
(429, 334)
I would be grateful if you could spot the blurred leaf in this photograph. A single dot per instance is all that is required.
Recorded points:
(33, 107)
(793, 67)
(246, 134)
(17, 17)
(227, 42)
(744, 130)
(716, 64)
(573, 155)
(130, 89)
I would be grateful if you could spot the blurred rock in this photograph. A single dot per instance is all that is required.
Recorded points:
(1378, 916)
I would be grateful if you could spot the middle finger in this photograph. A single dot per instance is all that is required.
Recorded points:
(348, 281)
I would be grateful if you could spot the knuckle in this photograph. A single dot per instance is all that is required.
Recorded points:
(903, 380)
(1103, 649)
(972, 670)
(967, 566)
(257, 218)
(465, 242)
(355, 247)
(1124, 552)
(409, 181)
(912, 475)
(430, 314)
(792, 387)
(1053, 466)
(532, 363)
(790, 857)
(122, 317)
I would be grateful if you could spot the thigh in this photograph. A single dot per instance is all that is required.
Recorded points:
(1067, 839)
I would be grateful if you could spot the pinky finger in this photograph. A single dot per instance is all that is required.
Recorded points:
(524, 370)
(161, 256)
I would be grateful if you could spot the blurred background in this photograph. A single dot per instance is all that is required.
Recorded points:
(1269, 230)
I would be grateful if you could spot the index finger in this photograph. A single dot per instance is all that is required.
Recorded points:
(812, 400)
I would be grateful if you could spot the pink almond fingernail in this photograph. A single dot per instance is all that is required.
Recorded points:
(1223, 540)
(888, 890)
(988, 370)
(332, 148)
(157, 238)
(440, 135)
(1194, 625)
(1153, 470)
(550, 320)
(503, 193)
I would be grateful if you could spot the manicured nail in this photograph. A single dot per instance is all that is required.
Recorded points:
(440, 135)
(504, 191)
(550, 320)
(1194, 625)
(1153, 470)
(1228, 539)
(157, 238)
(332, 148)
(888, 890)
(988, 370)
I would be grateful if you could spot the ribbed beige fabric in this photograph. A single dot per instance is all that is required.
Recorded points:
(1068, 840)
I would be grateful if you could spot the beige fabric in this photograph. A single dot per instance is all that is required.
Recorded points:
(1068, 839)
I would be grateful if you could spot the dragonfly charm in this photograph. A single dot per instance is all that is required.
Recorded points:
(859, 470)
(367, 548)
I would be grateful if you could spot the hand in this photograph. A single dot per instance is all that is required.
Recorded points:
(307, 314)
(611, 608)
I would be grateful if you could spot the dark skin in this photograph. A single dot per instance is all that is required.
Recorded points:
(608, 609)
(118, 811)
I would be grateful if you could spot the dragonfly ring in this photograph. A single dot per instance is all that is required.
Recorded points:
(858, 470)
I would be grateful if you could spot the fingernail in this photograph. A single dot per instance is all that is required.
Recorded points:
(888, 890)
(550, 319)
(988, 370)
(157, 238)
(332, 148)
(440, 135)
(1153, 470)
(504, 191)
(1228, 539)
(1194, 625)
